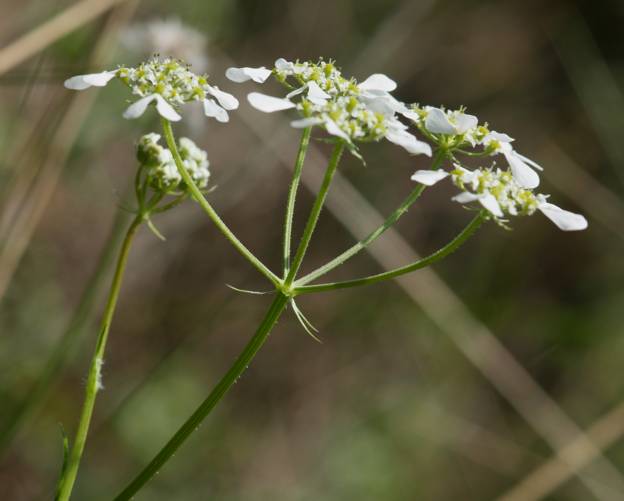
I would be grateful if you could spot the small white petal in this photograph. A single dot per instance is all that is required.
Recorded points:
(316, 94)
(305, 122)
(438, 123)
(282, 65)
(296, 92)
(240, 75)
(565, 220)
(165, 110)
(81, 82)
(429, 177)
(378, 81)
(465, 197)
(226, 100)
(491, 204)
(269, 104)
(212, 109)
(136, 109)
(333, 129)
(466, 122)
(533, 164)
(408, 142)
(522, 173)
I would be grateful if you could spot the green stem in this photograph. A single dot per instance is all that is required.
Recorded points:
(94, 379)
(292, 195)
(362, 244)
(193, 422)
(66, 344)
(314, 213)
(449, 248)
(212, 214)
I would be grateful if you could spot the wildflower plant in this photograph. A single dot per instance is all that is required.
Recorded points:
(347, 113)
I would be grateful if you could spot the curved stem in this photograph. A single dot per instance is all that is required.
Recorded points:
(314, 213)
(94, 382)
(449, 248)
(292, 195)
(230, 377)
(212, 214)
(391, 220)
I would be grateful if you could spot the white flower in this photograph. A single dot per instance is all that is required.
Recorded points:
(456, 122)
(323, 97)
(167, 83)
(520, 165)
(240, 75)
(501, 195)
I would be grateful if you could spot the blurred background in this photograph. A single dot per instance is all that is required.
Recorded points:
(497, 374)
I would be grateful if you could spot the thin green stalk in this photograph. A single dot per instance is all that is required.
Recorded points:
(314, 213)
(94, 379)
(212, 214)
(192, 423)
(362, 244)
(449, 248)
(66, 344)
(292, 196)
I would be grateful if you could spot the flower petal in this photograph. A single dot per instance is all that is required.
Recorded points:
(533, 164)
(408, 142)
(438, 123)
(465, 197)
(565, 220)
(165, 110)
(332, 128)
(268, 104)
(316, 94)
(282, 65)
(378, 81)
(429, 177)
(225, 99)
(491, 204)
(305, 122)
(246, 73)
(81, 82)
(296, 92)
(522, 173)
(466, 122)
(136, 109)
(212, 109)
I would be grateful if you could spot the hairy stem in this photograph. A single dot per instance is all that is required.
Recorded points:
(212, 214)
(315, 212)
(449, 248)
(193, 422)
(66, 482)
(292, 196)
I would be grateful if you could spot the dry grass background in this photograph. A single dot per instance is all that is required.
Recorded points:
(494, 375)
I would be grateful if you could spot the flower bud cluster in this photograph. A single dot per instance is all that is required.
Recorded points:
(161, 171)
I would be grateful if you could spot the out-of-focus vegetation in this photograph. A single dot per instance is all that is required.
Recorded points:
(387, 407)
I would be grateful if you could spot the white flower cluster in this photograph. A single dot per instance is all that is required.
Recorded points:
(353, 112)
(458, 129)
(161, 170)
(501, 195)
(168, 83)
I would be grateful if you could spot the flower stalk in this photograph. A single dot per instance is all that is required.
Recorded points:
(194, 421)
(94, 380)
